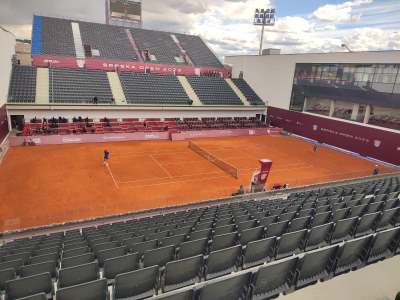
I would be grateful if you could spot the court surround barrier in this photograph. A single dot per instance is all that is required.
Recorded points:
(139, 136)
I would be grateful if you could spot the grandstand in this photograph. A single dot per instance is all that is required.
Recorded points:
(182, 209)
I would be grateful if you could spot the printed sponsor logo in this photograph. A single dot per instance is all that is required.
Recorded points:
(377, 143)
(80, 63)
(315, 127)
(117, 137)
(253, 132)
(71, 140)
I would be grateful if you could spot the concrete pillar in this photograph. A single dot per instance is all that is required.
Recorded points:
(354, 112)
(332, 108)
(367, 114)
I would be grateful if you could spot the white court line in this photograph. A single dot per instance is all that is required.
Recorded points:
(112, 176)
(178, 181)
(161, 166)
(174, 177)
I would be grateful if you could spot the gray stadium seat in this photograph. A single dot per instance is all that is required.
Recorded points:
(222, 262)
(251, 234)
(183, 272)
(137, 284)
(192, 248)
(27, 286)
(352, 255)
(340, 214)
(75, 252)
(291, 243)
(234, 288)
(273, 279)
(40, 296)
(140, 248)
(110, 253)
(344, 230)
(317, 265)
(277, 229)
(258, 252)
(78, 274)
(367, 224)
(299, 224)
(93, 290)
(14, 264)
(5, 275)
(268, 220)
(224, 241)
(179, 295)
(387, 218)
(77, 260)
(224, 229)
(159, 256)
(384, 245)
(321, 218)
(45, 267)
(122, 264)
(173, 240)
(319, 236)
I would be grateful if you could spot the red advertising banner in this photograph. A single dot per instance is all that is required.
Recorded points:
(380, 144)
(187, 135)
(122, 66)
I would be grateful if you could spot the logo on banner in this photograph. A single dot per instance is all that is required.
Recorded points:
(315, 127)
(377, 143)
(80, 63)
(252, 132)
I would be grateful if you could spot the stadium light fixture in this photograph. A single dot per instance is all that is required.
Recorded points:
(264, 17)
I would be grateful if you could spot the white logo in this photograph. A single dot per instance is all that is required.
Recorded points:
(252, 132)
(377, 143)
(315, 127)
(80, 63)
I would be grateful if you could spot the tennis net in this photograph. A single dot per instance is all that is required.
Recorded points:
(228, 168)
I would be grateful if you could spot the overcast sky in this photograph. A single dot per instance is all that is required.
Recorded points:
(302, 25)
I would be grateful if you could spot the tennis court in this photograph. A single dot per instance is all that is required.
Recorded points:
(52, 184)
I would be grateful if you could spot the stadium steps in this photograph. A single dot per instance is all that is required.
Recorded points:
(42, 86)
(237, 91)
(79, 51)
(116, 88)
(189, 91)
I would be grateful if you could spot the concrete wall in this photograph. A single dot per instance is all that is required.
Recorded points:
(7, 50)
(271, 76)
(97, 113)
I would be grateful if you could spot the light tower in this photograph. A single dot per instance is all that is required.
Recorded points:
(264, 17)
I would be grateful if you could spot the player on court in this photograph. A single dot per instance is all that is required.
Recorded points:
(315, 147)
(106, 156)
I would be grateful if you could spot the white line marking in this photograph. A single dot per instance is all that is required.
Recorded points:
(112, 176)
(161, 166)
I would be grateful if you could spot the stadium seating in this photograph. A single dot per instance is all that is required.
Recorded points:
(56, 37)
(153, 89)
(22, 85)
(213, 91)
(198, 51)
(248, 92)
(160, 45)
(213, 249)
(79, 86)
(112, 42)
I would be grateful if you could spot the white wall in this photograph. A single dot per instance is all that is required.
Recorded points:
(271, 76)
(140, 113)
(7, 50)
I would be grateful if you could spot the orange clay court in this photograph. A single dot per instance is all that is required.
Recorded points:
(53, 184)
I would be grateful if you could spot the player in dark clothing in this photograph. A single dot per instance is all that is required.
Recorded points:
(106, 156)
(315, 147)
